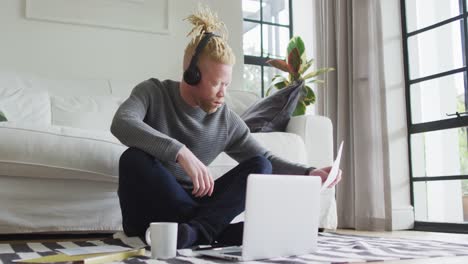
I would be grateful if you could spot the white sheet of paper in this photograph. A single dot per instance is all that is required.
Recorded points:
(92, 250)
(334, 170)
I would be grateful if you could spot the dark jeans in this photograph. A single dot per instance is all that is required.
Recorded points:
(148, 192)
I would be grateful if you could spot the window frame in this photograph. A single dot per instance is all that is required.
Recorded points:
(261, 60)
(458, 121)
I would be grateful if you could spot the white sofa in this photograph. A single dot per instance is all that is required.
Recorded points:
(59, 162)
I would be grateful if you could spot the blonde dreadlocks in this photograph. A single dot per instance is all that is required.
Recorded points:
(217, 48)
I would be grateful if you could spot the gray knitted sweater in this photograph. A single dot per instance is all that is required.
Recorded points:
(158, 121)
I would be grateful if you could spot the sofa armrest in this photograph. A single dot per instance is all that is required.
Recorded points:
(317, 133)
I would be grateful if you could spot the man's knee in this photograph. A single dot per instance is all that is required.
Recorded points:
(131, 156)
(260, 165)
(134, 166)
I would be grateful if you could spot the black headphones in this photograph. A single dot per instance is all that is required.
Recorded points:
(192, 74)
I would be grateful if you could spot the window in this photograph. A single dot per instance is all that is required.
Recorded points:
(267, 29)
(435, 46)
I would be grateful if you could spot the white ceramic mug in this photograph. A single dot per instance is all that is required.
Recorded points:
(162, 237)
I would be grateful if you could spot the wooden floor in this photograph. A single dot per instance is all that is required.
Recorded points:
(396, 234)
(418, 235)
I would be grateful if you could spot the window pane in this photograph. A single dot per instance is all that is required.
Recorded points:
(432, 100)
(251, 39)
(423, 13)
(275, 41)
(269, 73)
(441, 201)
(251, 9)
(439, 153)
(276, 11)
(253, 79)
(435, 51)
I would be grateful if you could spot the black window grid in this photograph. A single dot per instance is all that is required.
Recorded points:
(261, 60)
(456, 122)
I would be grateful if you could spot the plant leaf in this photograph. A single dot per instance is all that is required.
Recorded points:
(2, 117)
(310, 95)
(306, 66)
(280, 85)
(314, 81)
(276, 83)
(279, 64)
(278, 78)
(294, 62)
(277, 86)
(296, 42)
(300, 109)
(317, 73)
(269, 90)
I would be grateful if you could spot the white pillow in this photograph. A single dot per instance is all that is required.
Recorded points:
(86, 112)
(239, 100)
(12, 80)
(25, 106)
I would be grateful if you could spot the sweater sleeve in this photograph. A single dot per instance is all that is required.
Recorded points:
(241, 146)
(129, 127)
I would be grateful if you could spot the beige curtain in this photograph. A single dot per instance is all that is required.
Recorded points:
(349, 38)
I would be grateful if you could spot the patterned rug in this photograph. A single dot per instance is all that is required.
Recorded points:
(332, 248)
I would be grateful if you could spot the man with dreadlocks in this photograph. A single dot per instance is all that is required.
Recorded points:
(174, 130)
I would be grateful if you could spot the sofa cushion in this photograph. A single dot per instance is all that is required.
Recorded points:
(123, 88)
(68, 87)
(58, 152)
(71, 153)
(56, 86)
(15, 81)
(239, 101)
(86, 112)
(25, 105)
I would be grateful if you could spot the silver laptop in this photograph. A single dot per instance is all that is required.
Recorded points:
(281, 218)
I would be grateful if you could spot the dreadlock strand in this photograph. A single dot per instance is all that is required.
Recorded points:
(205, 21)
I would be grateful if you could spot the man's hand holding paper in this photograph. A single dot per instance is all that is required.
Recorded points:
(330, 175)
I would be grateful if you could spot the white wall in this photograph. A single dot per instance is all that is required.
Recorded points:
(401, 210)
(59, 50)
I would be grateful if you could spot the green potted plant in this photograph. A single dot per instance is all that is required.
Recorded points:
(296, 65)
